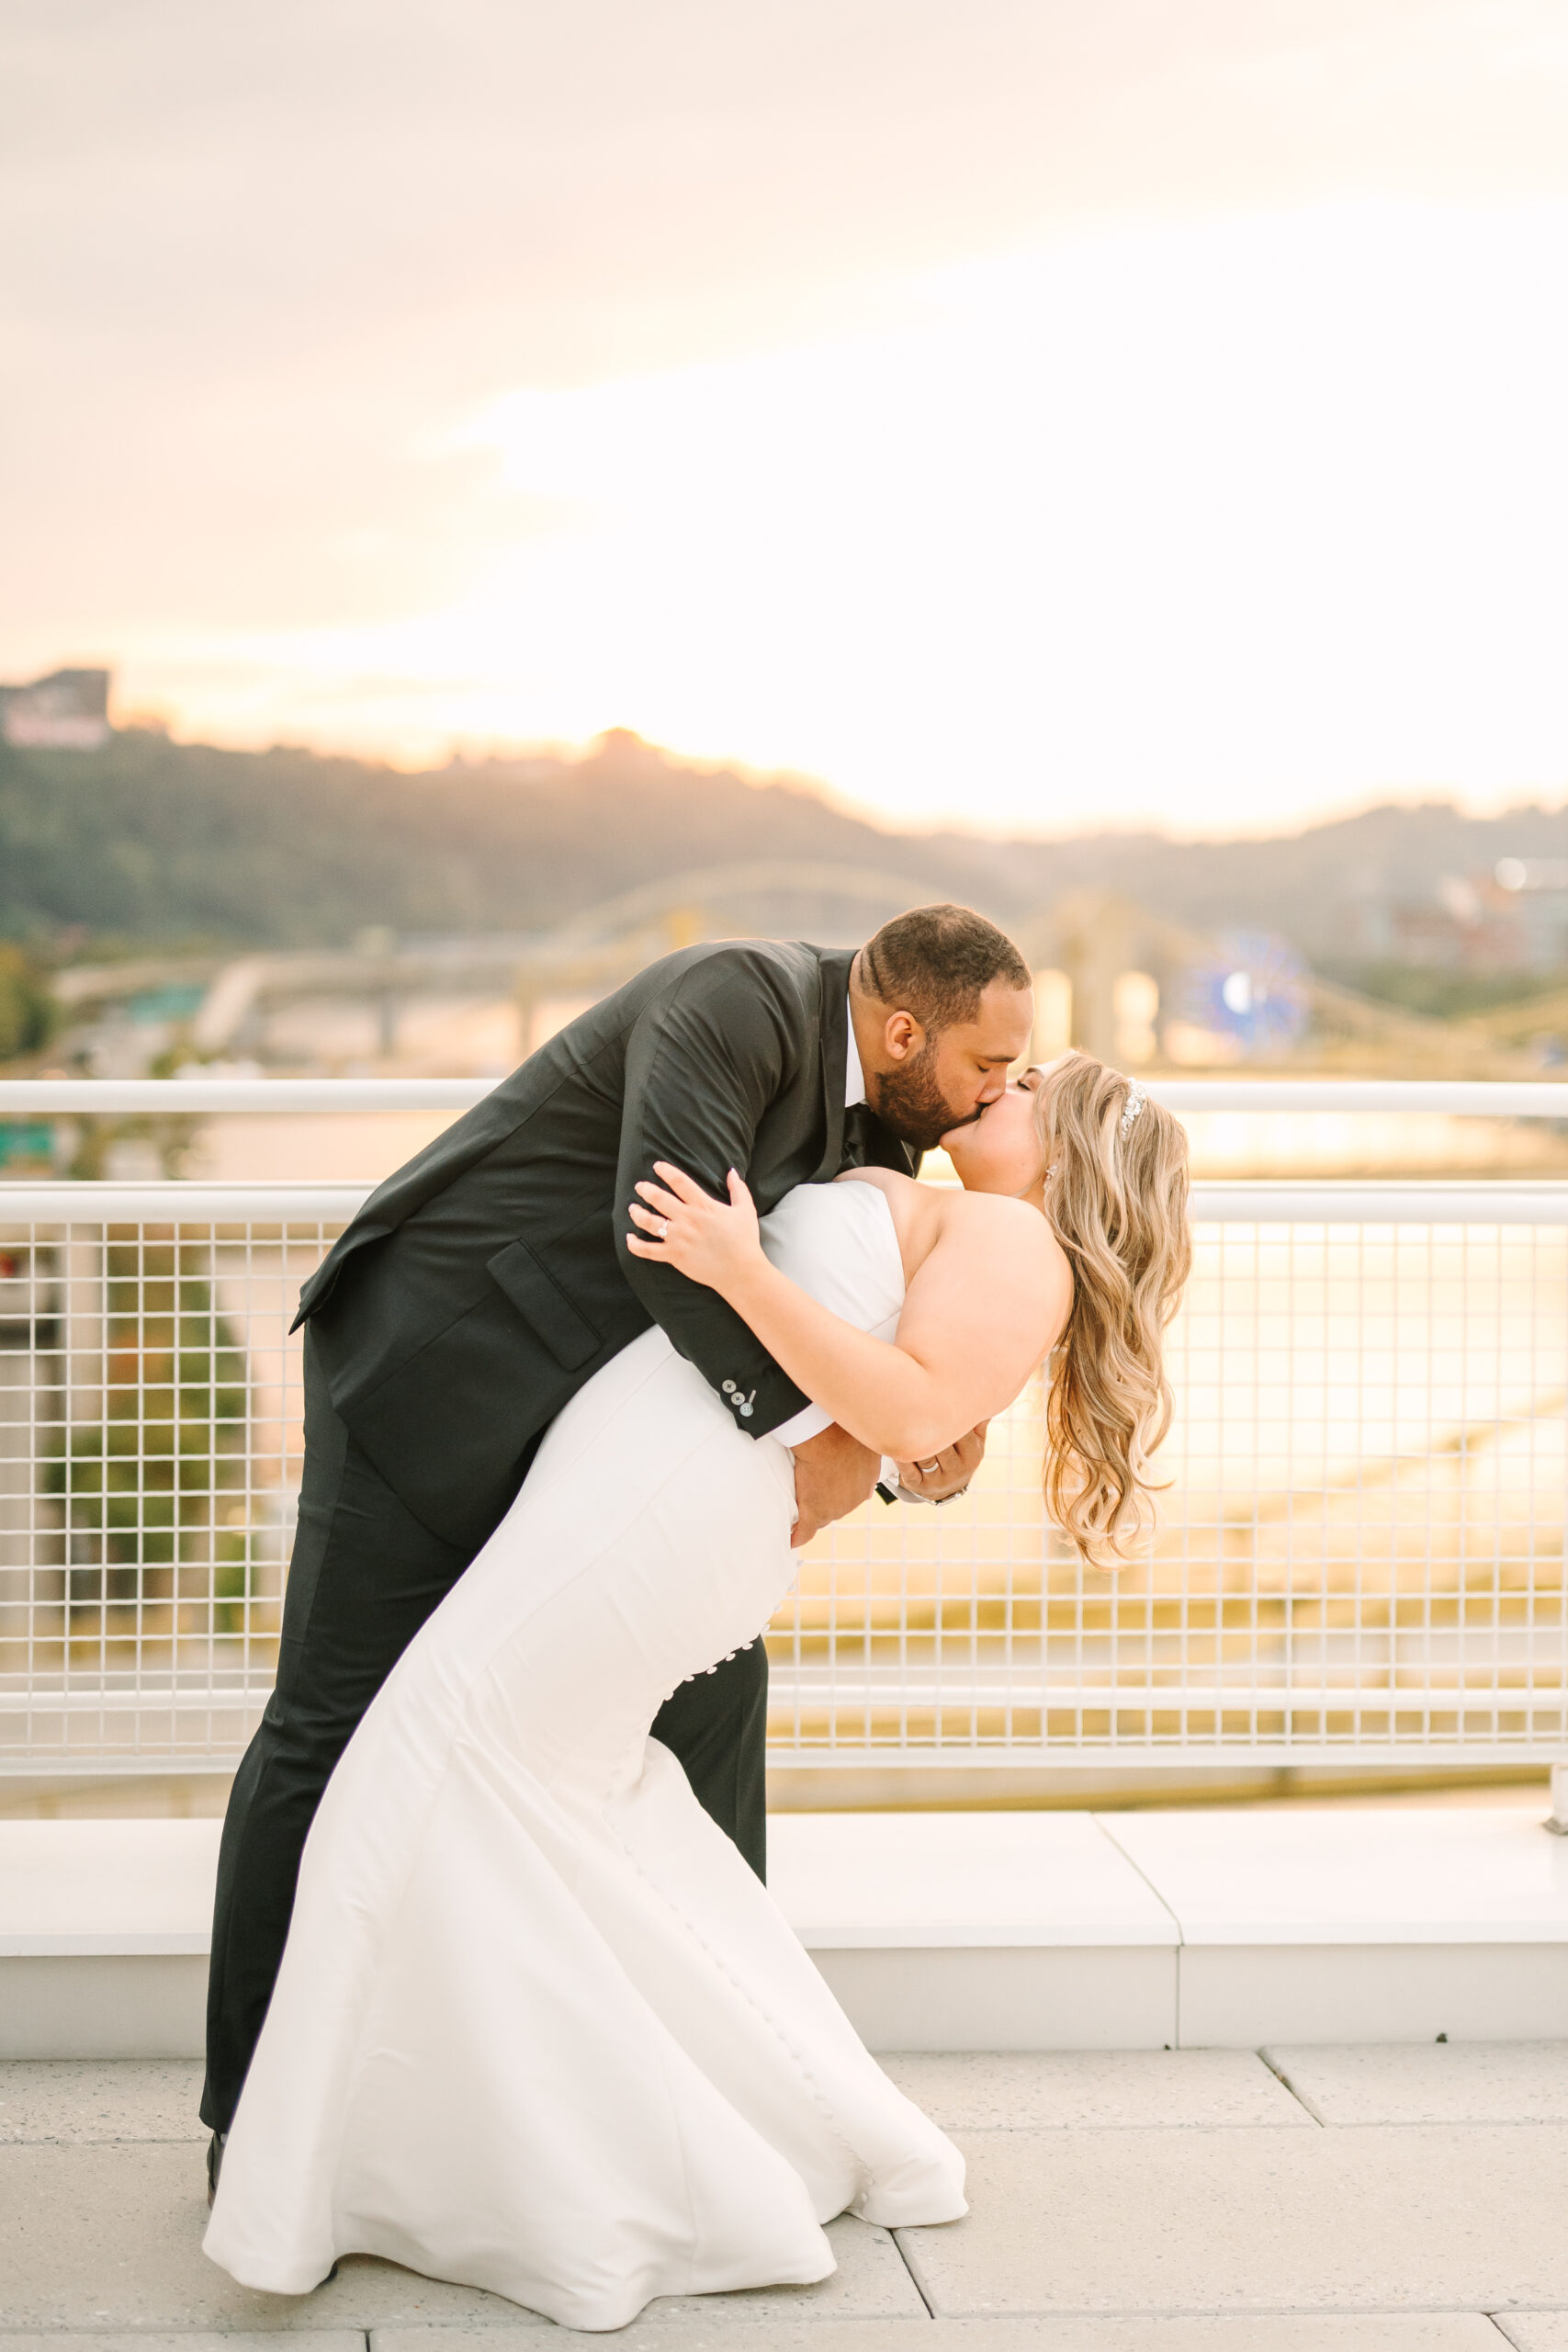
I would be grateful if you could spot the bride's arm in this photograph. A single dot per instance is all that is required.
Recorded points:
(981, 1310)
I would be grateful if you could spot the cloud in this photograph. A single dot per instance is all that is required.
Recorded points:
(873, 385)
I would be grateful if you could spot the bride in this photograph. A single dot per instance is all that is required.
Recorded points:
(538, 2028)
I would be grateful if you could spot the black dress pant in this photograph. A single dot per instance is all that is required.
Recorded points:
(364, 1576)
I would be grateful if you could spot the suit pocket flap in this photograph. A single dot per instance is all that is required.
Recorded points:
(543, 1305)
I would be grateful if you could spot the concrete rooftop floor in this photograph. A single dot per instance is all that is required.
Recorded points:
(1388, 2198)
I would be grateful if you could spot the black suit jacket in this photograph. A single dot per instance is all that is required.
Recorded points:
(485, 1281)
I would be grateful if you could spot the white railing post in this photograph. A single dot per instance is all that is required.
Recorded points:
(1557, 1820)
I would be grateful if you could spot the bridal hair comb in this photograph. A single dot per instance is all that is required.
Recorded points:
(1136, 1099)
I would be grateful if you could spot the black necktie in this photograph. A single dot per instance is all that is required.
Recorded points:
(860, 1136)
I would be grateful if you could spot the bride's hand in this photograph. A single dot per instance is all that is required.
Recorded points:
(713, 1242)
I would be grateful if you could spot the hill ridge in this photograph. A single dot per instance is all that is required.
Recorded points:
(149, 842)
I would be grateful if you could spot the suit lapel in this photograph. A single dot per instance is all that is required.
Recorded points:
(834, 1016)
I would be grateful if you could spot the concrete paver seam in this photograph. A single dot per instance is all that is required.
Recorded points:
(1195, 2131)
(1146, 2314)
(1299, 2096)
(44, 2140)
(1113, 1841)
(1523, 2310)
(1103, 1826)
(1459, 2126)
(914, 2275)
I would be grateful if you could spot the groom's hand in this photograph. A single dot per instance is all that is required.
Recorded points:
(941, 1475)
(834, 1474)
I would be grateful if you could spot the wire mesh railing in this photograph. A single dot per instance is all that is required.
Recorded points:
(149, 1449)
(1360, 1554)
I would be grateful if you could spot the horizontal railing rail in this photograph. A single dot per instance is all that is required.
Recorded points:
(200, 1096)
(1245, 1200)
(1360, 1557)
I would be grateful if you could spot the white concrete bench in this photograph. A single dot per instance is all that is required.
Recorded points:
(948, 1931)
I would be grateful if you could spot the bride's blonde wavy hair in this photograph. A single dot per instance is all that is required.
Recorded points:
(1116, 1200)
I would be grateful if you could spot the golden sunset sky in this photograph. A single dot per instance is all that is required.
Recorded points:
(1043, 415)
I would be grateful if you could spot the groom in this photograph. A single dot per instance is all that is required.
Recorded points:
(482, 1284)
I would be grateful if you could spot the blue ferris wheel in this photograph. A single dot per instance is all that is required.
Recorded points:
(1254, 987)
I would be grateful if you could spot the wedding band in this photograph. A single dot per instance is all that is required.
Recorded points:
(664, 1228)
(927, 1468)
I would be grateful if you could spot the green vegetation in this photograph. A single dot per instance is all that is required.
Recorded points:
(94, 1136)
(152, 843)
(1439, 995)
(142, 1493)
(149, 843)
(27, 1009)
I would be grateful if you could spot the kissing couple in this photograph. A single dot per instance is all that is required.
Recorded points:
(498, 1992)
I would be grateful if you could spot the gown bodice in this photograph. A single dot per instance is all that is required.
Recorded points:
(839, 1243)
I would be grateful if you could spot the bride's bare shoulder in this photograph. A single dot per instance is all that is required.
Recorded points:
(887, 1179)
(916, 1209)
(990, 1222)
(995, 1214)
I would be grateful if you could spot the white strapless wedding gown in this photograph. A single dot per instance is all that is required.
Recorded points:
(538, 2028)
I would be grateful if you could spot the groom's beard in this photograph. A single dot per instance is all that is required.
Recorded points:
(909, 1101)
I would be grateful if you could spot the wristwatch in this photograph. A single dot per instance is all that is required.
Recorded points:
(894, 1491)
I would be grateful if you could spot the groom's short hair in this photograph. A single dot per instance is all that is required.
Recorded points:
(938, 962)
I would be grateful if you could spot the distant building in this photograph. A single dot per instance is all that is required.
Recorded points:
(1478, 923)
(67, 711)
(1537, 889)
